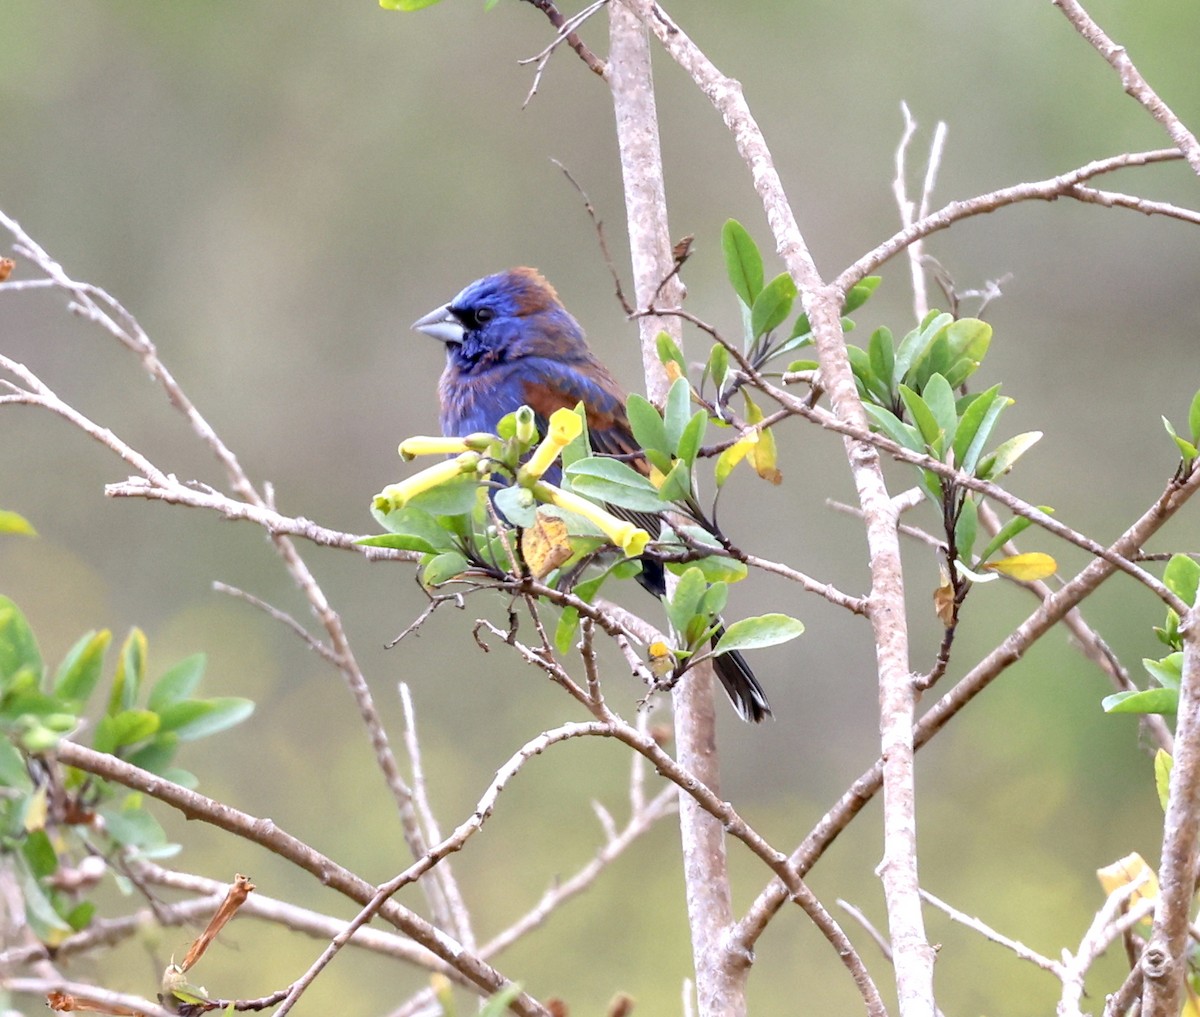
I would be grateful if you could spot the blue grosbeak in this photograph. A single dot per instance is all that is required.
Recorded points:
(509, 341)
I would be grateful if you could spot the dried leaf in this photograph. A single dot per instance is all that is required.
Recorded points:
(544, 545)
(234, 899)
(1126, 870)
(943, 602)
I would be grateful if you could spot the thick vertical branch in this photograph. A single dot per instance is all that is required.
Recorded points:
(720, 984)
(897, 694)
(1165, 959)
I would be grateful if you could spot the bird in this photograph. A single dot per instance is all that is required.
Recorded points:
(510, 341)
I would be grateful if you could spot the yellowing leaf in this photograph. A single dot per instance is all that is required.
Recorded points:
(762, 457)
(11, 522)
(762, 453)
(1025, 567)
(544, 545)
(673, 371)
(661, 660)
(1162, 775)
(38, 809)
(1127, 870)
(733, 455)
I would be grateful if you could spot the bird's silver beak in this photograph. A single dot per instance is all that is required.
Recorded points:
(441, 324)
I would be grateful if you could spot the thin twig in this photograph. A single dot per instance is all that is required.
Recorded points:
(566, 33)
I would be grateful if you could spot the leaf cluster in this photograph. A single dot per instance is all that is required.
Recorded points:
(52, 818)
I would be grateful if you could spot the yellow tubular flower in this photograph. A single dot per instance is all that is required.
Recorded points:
(565, 427)
(396, 496)
(425, 445)
(629, 538)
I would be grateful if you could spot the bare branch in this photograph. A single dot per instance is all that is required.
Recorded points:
(1040, 190)
(1131, 79)
(1041, 621)
(265, 833)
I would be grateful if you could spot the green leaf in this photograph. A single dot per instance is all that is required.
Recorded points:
(669, 352)
(1186, 449)
(80, 669)
(1168, 672)
(685, 600)
(131, 671)
(44, 920)
(397, 542)
(764, 630)
(860, 293)
(931, 484)
(1194, 419)
(419, 528)
(743, 263)
(497, 1005)
(690, 439)
(12, 522)
(772, 305)
(802, 328)
(178, 683)
(406, 5)
(647, 424)
(882, 357)
(157, 754)
(923, 417)
(18, 648)
(442, 567)
(872, 387)
(39, 854)
(1146, 701)
(934, 360)
(1182, 577)
(199, 718)
(1007, 532)
(564, 631)
(914, 345)
(678, 412)
(713, 602)
(1007, 454)
(677, 484)
(12, 768)
(968, 340)
(716, 568)
(975, 425)
(895, 428)
(966, 527)
(939, 397)
(516, 504)
(718, 366)
(126, 727)
(614, 482)
(131, 825)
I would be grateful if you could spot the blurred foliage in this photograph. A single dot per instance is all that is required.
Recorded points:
(57, 822)
(277, 197)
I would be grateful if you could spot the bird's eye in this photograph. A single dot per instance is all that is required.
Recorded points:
(484, 315)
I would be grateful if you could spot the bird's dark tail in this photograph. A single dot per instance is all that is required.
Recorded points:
(740, 685)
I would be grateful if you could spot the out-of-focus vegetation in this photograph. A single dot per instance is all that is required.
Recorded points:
(276, 193)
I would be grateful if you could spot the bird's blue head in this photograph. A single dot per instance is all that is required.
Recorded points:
(501, 318)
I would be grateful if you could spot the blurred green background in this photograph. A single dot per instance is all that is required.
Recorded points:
(278, 191)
